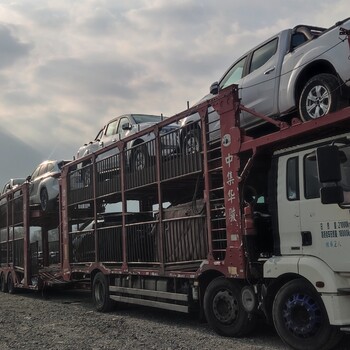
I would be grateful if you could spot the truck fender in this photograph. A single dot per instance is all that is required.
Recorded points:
(311, 268)
(328, 284)
(318, 273)
(277, 266)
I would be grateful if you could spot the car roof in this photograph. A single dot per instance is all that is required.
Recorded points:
(55, 161)
(132, 115)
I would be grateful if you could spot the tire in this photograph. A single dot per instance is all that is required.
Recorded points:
(300, 318)
(10, 284)
(100, 293)
(3, 284)
(192, 142)
(140, 158)
(319, 97)
(224, 310)
(44, 200)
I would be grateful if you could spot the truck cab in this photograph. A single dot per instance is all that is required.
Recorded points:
(311, 228)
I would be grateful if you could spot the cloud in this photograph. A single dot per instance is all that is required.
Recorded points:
(67, 67)
(86, 76)
(11, 48)
(18, 160)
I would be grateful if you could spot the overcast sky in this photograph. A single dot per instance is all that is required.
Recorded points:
(68, 66)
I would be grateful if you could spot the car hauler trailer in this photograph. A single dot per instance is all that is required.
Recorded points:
(253, 222)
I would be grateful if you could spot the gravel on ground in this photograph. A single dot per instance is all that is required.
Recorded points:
(65, 320)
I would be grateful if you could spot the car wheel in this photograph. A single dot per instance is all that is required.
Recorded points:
(319, 97)
(301, 319)
(192, 142)
(140, 158)
(44, 199)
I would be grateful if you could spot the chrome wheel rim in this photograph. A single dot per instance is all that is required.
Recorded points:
(191, 145)
(140, 161)
(318, 102)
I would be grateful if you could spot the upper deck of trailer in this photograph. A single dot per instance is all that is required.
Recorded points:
(199, 192)
(172, 180)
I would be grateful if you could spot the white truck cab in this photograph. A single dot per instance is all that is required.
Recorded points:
(312, 225)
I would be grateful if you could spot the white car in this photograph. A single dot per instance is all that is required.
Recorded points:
(43, 184)
(12, 184)
(129, 124)
(90, 147)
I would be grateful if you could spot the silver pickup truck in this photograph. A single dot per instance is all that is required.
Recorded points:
(305, 68)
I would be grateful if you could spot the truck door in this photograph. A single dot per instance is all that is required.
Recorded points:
(326, 227)
(288, 195)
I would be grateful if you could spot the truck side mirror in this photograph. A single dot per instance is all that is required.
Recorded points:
(328, 161)
(214, 88)
(332, 195)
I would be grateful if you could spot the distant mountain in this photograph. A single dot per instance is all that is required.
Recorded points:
(17, 159)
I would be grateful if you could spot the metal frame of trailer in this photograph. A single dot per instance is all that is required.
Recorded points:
(215, 242)
(193, 242)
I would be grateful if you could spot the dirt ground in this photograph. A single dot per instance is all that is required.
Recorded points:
(66, 320)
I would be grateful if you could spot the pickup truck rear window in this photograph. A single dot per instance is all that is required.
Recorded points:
(297, 40)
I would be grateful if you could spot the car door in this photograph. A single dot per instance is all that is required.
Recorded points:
(258, 90)
(123, 132)
(110, 135)
(35, 182)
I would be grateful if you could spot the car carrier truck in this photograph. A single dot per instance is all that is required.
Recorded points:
(255, 223)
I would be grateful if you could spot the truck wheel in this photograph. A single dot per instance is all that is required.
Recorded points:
(3, 284)
(140, 158)
(319, 97)
(100, 293)
(192, 142)
(44, 200)
(301, 319)
(10, 284)
(224, 310)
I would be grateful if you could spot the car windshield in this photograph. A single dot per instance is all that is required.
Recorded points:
(140, 118)
(18, 181)
(99, 135)
(62, 163)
